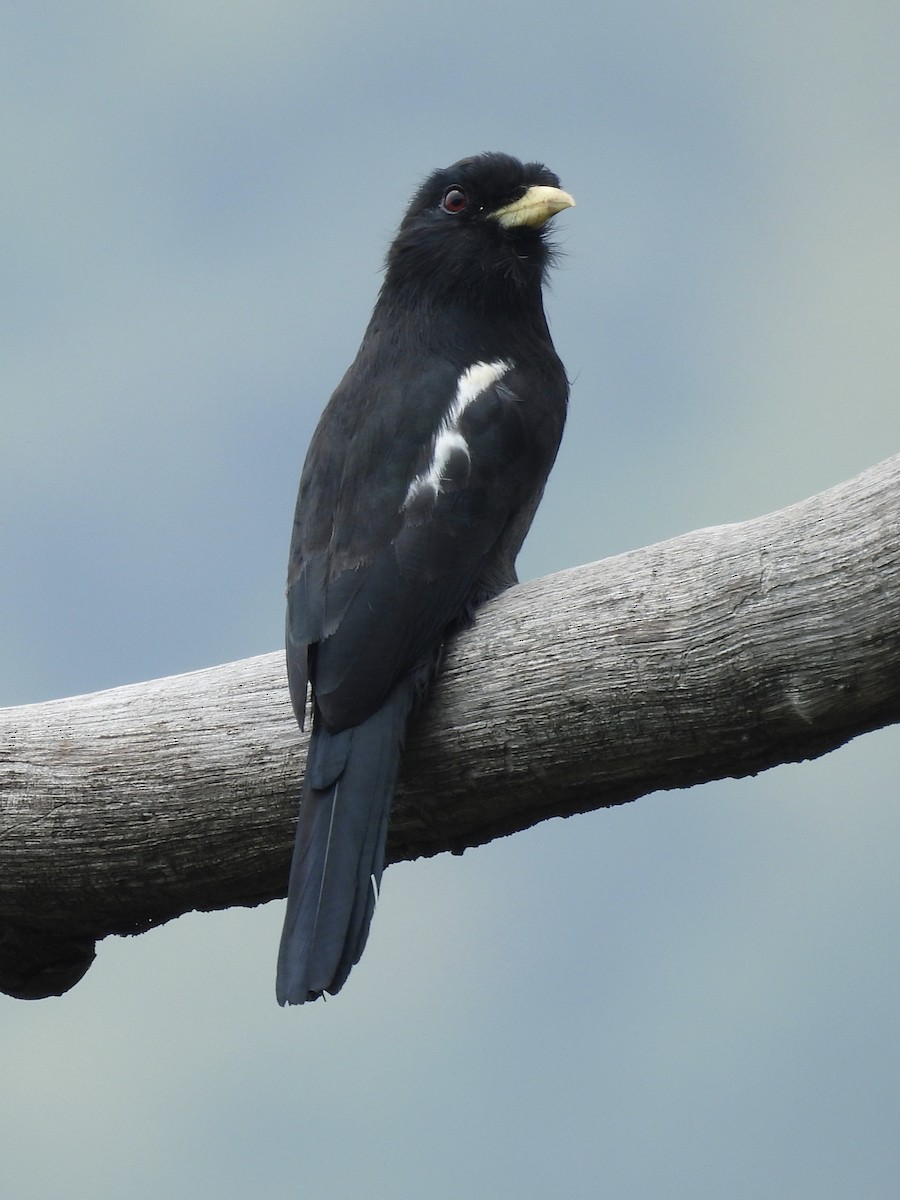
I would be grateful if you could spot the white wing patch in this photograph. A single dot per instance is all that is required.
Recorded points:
(473, 382)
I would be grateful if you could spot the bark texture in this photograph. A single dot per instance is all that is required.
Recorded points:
(715, 654)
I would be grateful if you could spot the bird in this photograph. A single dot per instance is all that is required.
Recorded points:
(419, 486)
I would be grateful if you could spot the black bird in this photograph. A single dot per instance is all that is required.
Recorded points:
(419, 486)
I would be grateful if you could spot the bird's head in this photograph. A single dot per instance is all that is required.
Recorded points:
(476, 232)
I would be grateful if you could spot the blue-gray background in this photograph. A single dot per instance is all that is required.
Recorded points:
(693, 996)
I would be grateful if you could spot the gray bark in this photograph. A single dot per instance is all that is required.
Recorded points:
(715, 654)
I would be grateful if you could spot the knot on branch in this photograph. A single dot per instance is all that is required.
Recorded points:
(35, 964)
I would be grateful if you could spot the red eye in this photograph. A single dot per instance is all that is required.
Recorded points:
(455, 200)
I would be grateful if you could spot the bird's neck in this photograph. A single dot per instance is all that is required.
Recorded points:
(455, 327)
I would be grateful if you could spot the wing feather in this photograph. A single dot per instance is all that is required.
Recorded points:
(450, 542)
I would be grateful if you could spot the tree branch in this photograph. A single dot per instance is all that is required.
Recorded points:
(715, 654)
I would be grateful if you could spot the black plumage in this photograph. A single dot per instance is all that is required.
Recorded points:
(419, 486)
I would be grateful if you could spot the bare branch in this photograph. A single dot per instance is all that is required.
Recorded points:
(715, 654)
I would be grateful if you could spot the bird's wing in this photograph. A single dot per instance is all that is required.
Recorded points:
(424, 537)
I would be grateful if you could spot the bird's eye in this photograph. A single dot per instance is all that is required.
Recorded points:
(455, 200)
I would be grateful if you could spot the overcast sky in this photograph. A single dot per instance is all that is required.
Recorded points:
(693, 996)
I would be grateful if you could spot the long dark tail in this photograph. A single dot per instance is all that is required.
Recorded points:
(339, 851)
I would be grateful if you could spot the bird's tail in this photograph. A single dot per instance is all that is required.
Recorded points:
(339, 851)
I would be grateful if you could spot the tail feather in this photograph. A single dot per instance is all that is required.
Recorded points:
(339, 850)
